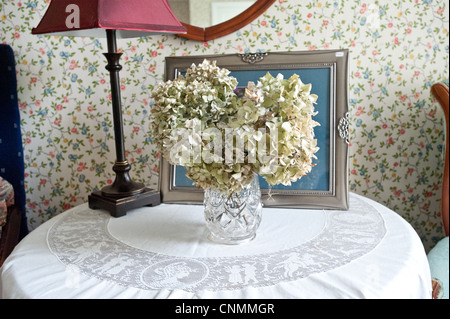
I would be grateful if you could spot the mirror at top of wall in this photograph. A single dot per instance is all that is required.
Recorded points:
(209, 19)
(206, 13)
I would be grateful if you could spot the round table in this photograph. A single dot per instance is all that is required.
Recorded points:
(368, 251)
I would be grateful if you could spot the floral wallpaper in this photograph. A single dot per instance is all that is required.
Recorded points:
(398, 50)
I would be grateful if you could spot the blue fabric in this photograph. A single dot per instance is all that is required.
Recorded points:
(439, 267)
(11, 149)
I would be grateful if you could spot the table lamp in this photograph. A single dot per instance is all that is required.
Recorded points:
(113, 19)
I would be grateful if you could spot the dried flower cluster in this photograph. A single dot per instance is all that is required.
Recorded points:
(198, 121)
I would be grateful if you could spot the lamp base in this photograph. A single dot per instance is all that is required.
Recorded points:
(118, 206)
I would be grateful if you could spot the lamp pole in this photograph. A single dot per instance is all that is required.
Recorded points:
(124, 193)
(123, 184)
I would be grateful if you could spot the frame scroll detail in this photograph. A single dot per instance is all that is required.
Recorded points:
(343, 127)
(252, 57)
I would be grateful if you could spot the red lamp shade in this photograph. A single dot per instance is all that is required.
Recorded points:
(89, 17)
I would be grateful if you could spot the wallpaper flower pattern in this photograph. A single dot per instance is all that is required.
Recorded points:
(398, 50)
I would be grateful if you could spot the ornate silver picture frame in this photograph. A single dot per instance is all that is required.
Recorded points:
(326, 187)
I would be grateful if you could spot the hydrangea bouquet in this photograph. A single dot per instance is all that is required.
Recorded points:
(224, 135)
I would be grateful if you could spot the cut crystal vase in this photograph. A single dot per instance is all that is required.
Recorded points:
(235, 218)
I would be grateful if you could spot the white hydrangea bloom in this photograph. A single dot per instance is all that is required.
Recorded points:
(199, 122)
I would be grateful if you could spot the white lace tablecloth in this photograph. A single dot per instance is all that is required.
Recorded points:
(163, 252)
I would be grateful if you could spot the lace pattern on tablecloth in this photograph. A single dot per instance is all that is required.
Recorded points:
(81, 239)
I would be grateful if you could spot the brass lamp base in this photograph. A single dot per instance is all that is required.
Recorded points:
(118, 206)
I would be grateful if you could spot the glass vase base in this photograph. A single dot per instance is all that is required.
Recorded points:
(233, 218)
(230, 240)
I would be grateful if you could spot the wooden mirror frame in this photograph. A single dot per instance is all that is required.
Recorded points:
(227, 27)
